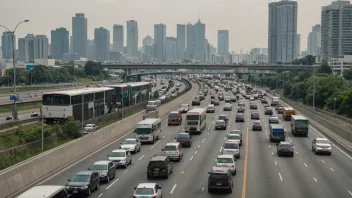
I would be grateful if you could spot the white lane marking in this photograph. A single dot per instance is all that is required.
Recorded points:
(141, 157)
(269, 146)
(305, 165)
(290, 139)
(296, 152)
(275, 163)
(163, 137)
(112, 183)
(195, 152)
(315, 179)
(272, 153)
(165, 124)
(198, 146)
(323, 161)
(173, 188)
(204, 139)
(191, 158)
(183, 172)
(208, 133)
(350, 193)
(280, 176)
(101, 194)
(332, 169)
(220, 148)
(125, 171)
(155, 144)
(169, 132)
(203, 189)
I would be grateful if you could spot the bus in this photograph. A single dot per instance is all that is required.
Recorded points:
(78, 104)
(148, 130)
(195, 120)
(299, 125)
(288, 112)
(277, 133)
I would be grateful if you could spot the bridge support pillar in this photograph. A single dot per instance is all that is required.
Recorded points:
(139, 78)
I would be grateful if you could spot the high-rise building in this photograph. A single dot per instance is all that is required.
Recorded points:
(181, 41)
(41, 47)
(33, 47)
(314, 41)
(282, 31)
(59, 42)
(190, 41)
(170, 49)
(71, 44)
(336, 29)
(101, 44)
(132, 38)
(90, 50)
(223, 42)
(79, 34)
(199, 34)
(265, 51)
(7, 46)
(298, 45)
(147, 41)
(159, 41)
(118, 39)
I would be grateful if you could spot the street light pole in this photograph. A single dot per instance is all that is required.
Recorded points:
(334, 105)
(314, 91)
(14, 112)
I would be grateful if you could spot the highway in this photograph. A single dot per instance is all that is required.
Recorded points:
(260, 172)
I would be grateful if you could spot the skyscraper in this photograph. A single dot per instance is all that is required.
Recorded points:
(170, 49)
(147, 41)
(7, 46)
(336, 26)
(33, 47)
(181, 41)
(41, 47)
(101, 44)
(298, 46)
(223, 42)
(79, 34)
(199, 34)
(314, 41)
(159, 41)
(282, 31)
(90, 50)
(190, 41)
(59, 42)
(132, 38)
(118, 39)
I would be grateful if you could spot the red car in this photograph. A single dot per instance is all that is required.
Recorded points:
(241, 109)
(9, 117)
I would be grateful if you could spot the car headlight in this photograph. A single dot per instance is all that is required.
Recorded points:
(103, 174)
(84, 187)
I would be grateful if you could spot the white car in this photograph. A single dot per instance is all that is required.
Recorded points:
(148, 190)
(227, 161)
(90, 128)
(131, 144)
(121, 157)
(234, 138)
(231, 148)
(273, 119)
(321, 145)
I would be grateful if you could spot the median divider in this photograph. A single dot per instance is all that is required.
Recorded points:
(20, 177)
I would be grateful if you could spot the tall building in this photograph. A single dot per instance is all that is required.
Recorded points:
(7, 46)
(33, 47)
(147, 41)
(90, 50)
(254, 55)
(223, 42)
(265, 51)
(314, 41)
(336, 29)
(59, 42)
(79, 34)
(41, 47)
(170, 49)
(199, 34)
(298, 46)
(101, 44)
(118, 39)
(159, 41)
(71, 44)
(282, 31)
(132, 38)
(181, 41)
(190, 41)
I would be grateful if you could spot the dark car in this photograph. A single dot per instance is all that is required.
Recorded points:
(255, 115)
(220, 178)
(264, 101)
(280, 110)
(106, 170)
(224, 118)
(216, 102)
(220, 124)
(196, 101)
(233, 99)
(159, 166)
(257, 125)
(285, 148)
(83, 183)
(239, 117)
(9, 117)
(185, 139)
(253, 106)
(241, 109)
(268, 111)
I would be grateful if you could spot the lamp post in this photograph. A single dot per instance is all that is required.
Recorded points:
(334, 104)
(14, 112)
(314, 90)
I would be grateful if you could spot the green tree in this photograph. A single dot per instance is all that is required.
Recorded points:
(347, 74)
(93, 68)
(324, 68)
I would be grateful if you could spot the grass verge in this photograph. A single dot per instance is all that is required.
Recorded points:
(35, 106)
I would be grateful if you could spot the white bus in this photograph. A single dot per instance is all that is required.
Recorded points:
(195, 120)
(148, 130)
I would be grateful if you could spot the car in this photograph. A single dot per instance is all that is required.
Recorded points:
(241, 109)
(247, 96)
(211, 108)
(220, 179)
(233, 99)
(174, 118)
(224, 118)
(9, 117)
(201, 96)
(231, 148)
(253, 105)
(148, 190)
(34, 114)
(239, 117)
(279, 107)
(268, 111)
(266, 105)
(90, 128)
(234, 138)
(220, 124)
(185, 139)
(159, 166)
(173, 150)
(273, 119)
(227, 161)
(241, 104)
(285, 148)
(216, 102)
(257, 125)
(227, 107)
(212, 96)
(321, 145)
(184, 108)
(264, 101)
(280, 110)
(106, 170)
(251, 99)
(131, 144)
(196, 101)
(83, 182)
(255, 115)
(235, 131)
(120, 157)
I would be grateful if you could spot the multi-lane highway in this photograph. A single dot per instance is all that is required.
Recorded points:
(260, 172)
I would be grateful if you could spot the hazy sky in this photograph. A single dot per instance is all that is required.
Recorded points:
(247, 20)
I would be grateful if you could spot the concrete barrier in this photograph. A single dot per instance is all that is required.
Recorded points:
(19, 177)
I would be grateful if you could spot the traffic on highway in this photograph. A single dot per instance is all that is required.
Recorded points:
(229, 140)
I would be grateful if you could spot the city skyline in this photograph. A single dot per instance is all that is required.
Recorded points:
(231, 18)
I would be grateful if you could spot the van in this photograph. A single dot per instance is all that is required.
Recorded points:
(227, 99)
(174, 118)
(47, 191)
(173, 151)
(148, 130)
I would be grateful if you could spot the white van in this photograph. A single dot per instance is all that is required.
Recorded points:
(45, 191)
(148, 130)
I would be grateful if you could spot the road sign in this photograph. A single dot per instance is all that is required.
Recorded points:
(125, 95)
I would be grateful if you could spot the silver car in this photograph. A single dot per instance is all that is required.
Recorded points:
(148, 190)
(231, 148)
(131, 144)
(321, 145)
(238, 132)
(227, 107)
(273, 119)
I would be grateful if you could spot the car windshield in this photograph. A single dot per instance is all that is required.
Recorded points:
(210, 107)
(286, 146)
(99, 167)
(173, 115)
(218, 177)
(144, 191)
(143, 131)
(323, 142)
(235, 132)
(224, 160)
(233, 137)
(90, 125)
(170, 148)
(192, 117)
(152, 103)
(230, 146)
(222, 117)
(182, 136)
(118, 154)
(80, 178)
(183, 105)
(129, 142)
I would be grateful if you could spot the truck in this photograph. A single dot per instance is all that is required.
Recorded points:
(277, 133)
(275, 101)
(299, 125)
(288, 112)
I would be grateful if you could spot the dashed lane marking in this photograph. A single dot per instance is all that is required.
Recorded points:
(204, 139)
(195, 152)
(101, 194)
(323, 161)
(220, 148)
(290, 139)
(198, 146)
(183, 172)
(173, 188)
(315, 179)
(305, 165)
(112, 183)
(280, 176)
(332, 169)
(203, 189)
(155, 144)
(350, 193)
(125, 171)
(191, 158)
(275, 163)
(141, 157)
